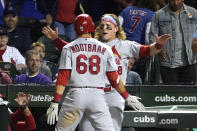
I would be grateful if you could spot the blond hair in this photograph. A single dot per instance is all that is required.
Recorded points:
(120, 34)
(38, 44)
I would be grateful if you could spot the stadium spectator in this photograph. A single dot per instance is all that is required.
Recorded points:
(22, 119)
(33, 14)
(136, 21)
(28, 9)
(18, 37)
(5, 78)
(177, 59)
(33, 75)
(133, 78)
(9, 53)
(65, 18)
(44, 68)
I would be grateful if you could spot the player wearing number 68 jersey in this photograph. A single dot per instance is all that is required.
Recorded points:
(85, 63)
(110, 32)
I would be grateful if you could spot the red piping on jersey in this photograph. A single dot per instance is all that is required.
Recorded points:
(144, 51)
(115, 52)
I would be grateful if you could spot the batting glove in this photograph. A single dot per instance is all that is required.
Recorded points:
(52, 113)
(132, 101)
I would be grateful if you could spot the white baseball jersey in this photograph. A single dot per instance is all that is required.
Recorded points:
(122, 50)
(14, 54)
(89, 60)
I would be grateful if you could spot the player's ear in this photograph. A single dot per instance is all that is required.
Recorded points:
(116, 28)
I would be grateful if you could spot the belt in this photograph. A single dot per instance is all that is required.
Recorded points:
(87, 87)
(106, 89)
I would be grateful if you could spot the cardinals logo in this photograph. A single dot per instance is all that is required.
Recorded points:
(116, 55)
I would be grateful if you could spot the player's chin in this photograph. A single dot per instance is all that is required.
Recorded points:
(105, 38)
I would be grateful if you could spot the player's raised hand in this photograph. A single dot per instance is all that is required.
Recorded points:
(132, 101)
(163, 39)
(49, 33)
(52, 113)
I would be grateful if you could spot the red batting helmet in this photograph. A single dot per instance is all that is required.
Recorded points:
(84, 24)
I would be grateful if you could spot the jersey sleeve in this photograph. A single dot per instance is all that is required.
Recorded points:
(65, 59)
(59, 43)
(134, 49)
(111, 64)
(19, 58)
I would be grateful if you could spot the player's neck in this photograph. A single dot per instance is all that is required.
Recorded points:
(87, 35)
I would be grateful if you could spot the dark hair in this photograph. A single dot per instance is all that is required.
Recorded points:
(149, 4)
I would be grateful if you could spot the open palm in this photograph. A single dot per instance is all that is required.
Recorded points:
(22, 99)
(163, 39)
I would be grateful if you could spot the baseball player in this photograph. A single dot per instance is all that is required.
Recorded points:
(85, 63)
(110, 32)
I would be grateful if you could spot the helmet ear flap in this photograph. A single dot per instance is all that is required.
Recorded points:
(84, 24)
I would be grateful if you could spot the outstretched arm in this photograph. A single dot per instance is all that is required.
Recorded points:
(160, 42)
(53, 35)
(154, 48)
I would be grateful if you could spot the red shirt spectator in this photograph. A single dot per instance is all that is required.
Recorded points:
(28, 123)
(66, 11)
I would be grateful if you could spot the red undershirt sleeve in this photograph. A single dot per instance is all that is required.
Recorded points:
(117, 83)
(59, 43)
(63, 77)
(144, 51)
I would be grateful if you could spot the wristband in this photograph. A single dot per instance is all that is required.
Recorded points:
(57, 97)
(124, 94)
(158, 46)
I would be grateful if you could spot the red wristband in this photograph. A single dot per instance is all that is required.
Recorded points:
(124, 94)
(158, 46)
(57, 97)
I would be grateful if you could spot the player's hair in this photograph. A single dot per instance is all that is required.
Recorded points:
(40, 44)
(29, 53)
(120, 34)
